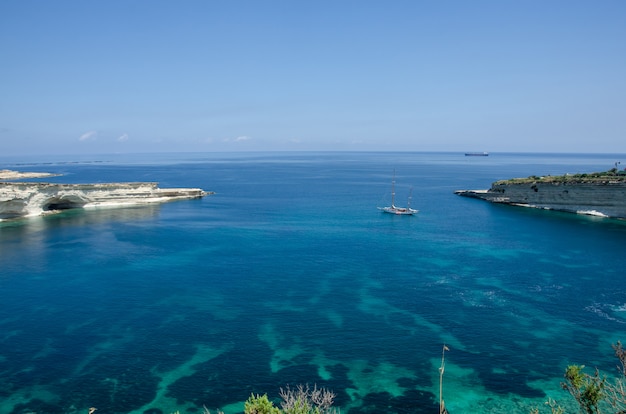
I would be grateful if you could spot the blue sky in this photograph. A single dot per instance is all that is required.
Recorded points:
(240, 75)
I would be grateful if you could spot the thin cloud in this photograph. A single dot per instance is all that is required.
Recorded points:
(123, 138)
(90, 135)
(238, 139)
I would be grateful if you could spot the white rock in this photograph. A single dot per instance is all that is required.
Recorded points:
(33, 199)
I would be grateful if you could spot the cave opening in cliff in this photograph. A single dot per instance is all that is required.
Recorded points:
(64, 203)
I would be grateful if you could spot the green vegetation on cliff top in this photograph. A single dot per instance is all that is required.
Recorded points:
(613, 175)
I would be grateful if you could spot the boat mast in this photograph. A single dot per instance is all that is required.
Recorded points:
(408, 203)
(393, 189)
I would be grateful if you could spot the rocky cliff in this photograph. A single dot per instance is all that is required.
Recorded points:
(601, 196)
(32, 199)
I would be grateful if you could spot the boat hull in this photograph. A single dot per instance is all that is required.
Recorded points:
(399, 211)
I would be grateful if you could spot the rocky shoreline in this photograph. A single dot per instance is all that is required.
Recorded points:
(17, 175)
(27, 199)
(597, 194)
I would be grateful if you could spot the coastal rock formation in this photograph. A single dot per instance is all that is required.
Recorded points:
(600, 196)
(15, 175)
(33, 199)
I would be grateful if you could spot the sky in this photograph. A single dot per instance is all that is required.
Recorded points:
(95, 76)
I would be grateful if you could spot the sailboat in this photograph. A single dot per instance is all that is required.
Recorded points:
(393, 209)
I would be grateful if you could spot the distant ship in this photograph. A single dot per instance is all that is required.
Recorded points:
(476, 154)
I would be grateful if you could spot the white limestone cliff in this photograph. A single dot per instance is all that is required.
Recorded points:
(26, 199)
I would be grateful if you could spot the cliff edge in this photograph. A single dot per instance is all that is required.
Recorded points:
(25, 199)
(599, 194)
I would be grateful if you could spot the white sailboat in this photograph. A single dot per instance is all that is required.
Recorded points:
(393, 209)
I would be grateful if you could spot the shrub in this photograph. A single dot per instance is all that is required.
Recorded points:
(260, 404)
(304, 400)
(595, 394)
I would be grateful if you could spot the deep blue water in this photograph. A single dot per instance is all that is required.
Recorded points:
(290, 275)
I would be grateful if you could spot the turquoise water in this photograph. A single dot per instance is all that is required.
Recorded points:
(290, 275)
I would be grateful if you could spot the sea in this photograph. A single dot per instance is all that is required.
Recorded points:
(289, 275)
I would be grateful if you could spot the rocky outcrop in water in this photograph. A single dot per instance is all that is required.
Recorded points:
(599, 194)
(32, 199)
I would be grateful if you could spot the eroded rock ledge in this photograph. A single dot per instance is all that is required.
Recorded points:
(24, 199)
(599, 194)
(17, 175)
